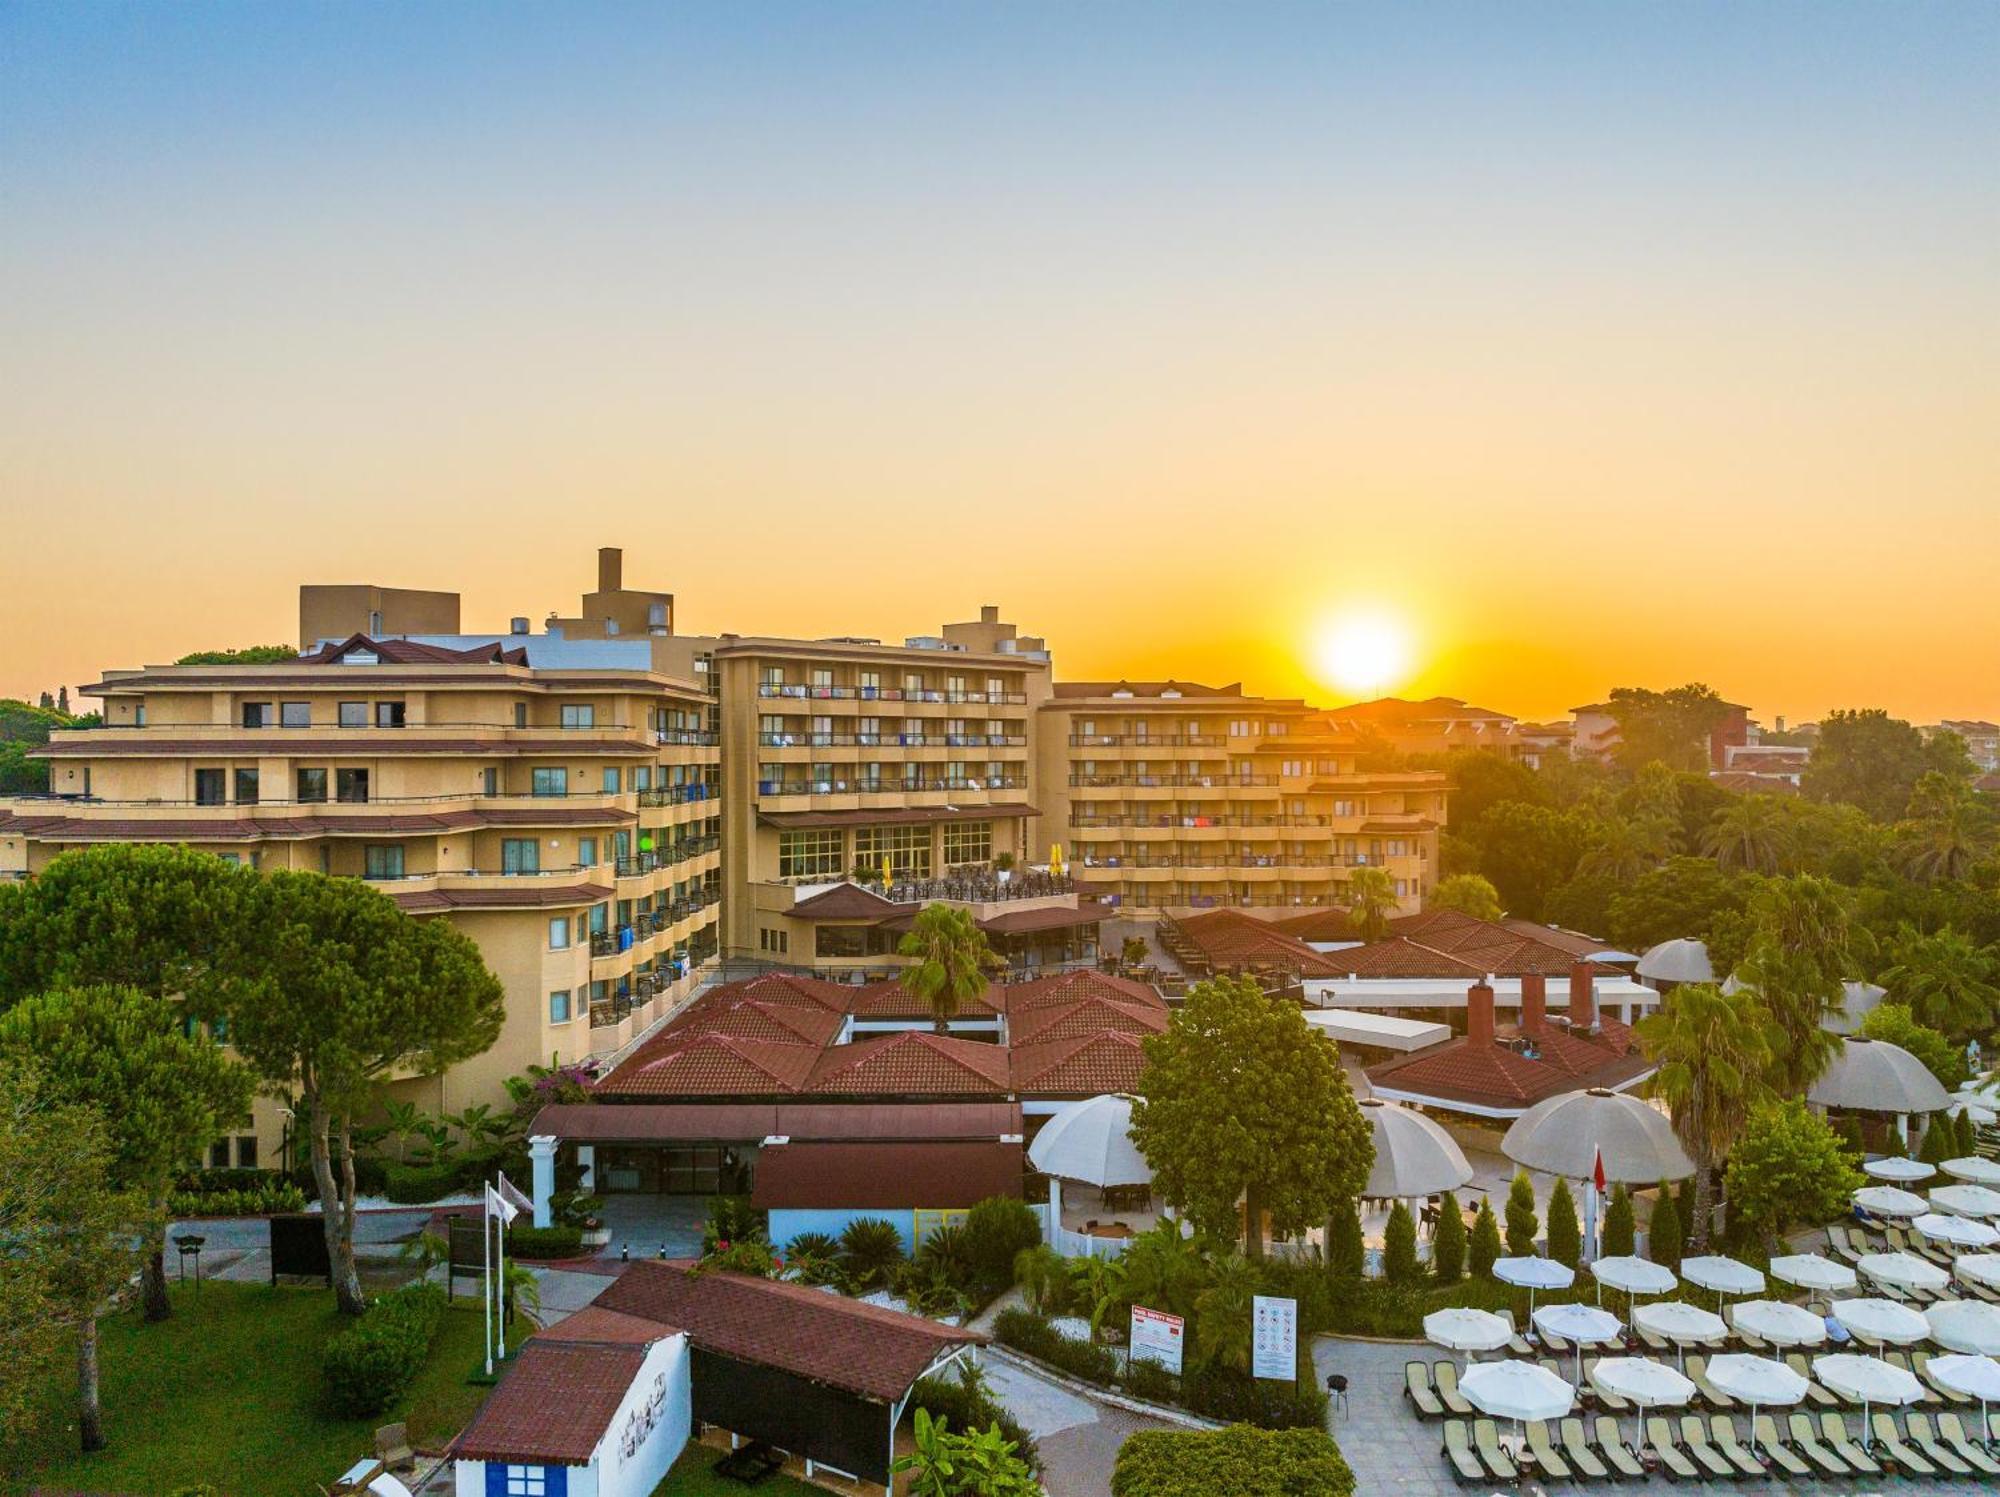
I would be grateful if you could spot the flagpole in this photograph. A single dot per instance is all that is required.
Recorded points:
(486, 1273)
(500, 1289)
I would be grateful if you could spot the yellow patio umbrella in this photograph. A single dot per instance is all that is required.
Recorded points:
(887, 877)
(1055, 859)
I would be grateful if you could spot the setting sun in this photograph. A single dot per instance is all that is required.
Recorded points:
(1365, 653)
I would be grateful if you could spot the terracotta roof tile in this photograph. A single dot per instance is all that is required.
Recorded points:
(1491, 1075)
(702, 1065)
(885, 1176)
(847, 901)
(555, 1405)
(1085, 1017)
(1230, 938)
(755, 1019)
(1078, 982)
(1089, 1067)
(911, 1063)
(890, 1000)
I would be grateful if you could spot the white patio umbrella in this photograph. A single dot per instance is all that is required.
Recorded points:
(1967, 1200)
(1566, 1134)
(1756, 1381)
(1532, 1274)
(1876, 1076)
(1975, 1377)
(1812, 1271)
(1775, 1321)
(1643, 1382)
(1881, 1320)
(1960, 1231)
(1866, 1380)
(1723, 1275)
(1980, 1113)
(1633, 1275)
(1516, 1390)
(1978, 1268)
(1894, 1168)
(1971, 1326)
(1091, 1143)
(1903, 1271)
(1467, 1330)
(1586, 1325)
(1887, 1200)
(1413, 1155)
(1973, 1168)
(1680, 1323)
(1680, 960)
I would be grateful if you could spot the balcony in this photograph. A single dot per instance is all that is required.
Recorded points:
(802, 692)
(693, 737)
(1151, 740)
(1169, 781)
(804, 740)
(1181, 821)
(678, 795)
(889, 787)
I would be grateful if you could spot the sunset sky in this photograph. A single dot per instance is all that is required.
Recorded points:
(1589, 344)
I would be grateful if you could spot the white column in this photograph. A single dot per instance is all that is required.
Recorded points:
(542, 1155)
(1055, 1213)
(586, 1156)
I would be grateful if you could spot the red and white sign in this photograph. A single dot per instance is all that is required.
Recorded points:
(1158, 1337)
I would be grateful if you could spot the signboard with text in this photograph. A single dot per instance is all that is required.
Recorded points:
(1274, 1338)
(1157, 1337)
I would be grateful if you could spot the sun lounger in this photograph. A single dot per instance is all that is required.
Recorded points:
(1722, 1435)
(1611, 1403)
(1486, 1442)
(1817, 1396)
(1755, 1344)
(1620, 1457)
(1446, 1375)
(1457, 1449)
(1834, 1428)
(1694, 1440)
(1905, 1457)
(1951, 1430)
(1418, 1391)
(1674, 1460)
(1519, 1346)
(1542, 1451)
(1587, 1463)
(1823, 1458)
(1772, 1444)
(1935, 1450)
(1932, 1397)
(1714, 1397)
(1656, 1344)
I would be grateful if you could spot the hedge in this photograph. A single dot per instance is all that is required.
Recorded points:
(1027, 1332)
(371, 1177)
(418, 1184)
(261, 1201)
(1233, 1397)
(1240, 1461)
(544, 1242)
(368, 1366)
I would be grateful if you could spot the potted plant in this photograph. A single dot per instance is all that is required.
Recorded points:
(587, 1212)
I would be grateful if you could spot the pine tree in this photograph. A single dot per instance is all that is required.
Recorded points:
(1522, 1224)
(1938, 1143)
(1399, 1246)
(1565, 1236)
(1968, 1135)
(1664, 1235)
(1620, 1234)
(1484, 1251)
(1448, 1242)
(1344, 1252)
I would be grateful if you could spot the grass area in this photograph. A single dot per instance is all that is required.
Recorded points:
(692, 1476)
(229, 1392)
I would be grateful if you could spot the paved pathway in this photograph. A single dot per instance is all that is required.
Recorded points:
(1078, 1437)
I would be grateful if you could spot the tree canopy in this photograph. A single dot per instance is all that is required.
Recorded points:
(1665, 727)
(1869, 759)
(950, 957)
(1470, 894)
(248, 655)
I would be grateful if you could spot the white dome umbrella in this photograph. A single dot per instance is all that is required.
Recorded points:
(1887, 1200)
(1680, 1323)
(1866, 1380)
(1723, 1275)
(1982, 1116)
(1586, 1325)
(1756, 1381)
(1413, 1155)
(1782, 1324)
(1565, 1134)
(1683, 960)
(1978, 1268)
(1532, 1274)
(1967, 1200)
(1959, 1231)
(1091, 1143)
(1811, 1271)
(1467, 1330)
(1516, 1390)
(1896, 1168)
(1903, 1271)
(1876, 1076)
(1878, 1320)
(1971, 1326)
(1633, 1275)
(1975, 1377)
(1973, 1168)
(1643, 1382)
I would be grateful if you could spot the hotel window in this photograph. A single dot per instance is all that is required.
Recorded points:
(771, 729)
(218, 1154)
(968, 842)
(642, 777)
(550, 781)
(246, 1152)
(954, 687)
(954, 774)
(559, 933)
(868, 731)
(350, 786)
(996, 775)
(383, 861)
(774, 677)
(1239, 728)
(908, 848)
(822, 731)
(600, 919)
(586, 852)
(773, 940)
(489, 781)
(312, 785)
(520, 855)
(139, 716)
(579, 715)
(389, 714)
(208, 787)
(814, 854)
(527, 1481)
(621, 845)
(559, 1006)
(256, 714)
(246, 787)
(520, 714)
(913, 682)
(996, 689)
(1345, 808)
(610, 779)
(822, 779)
(1292, 768)
(822, 678)
(871, 682)
(870, 776)
(352, 715)
(913, 776)
(295, 714)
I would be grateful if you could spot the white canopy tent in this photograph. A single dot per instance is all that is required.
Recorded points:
(1413, 1155)
(1876, 1076)
(1566, 1134)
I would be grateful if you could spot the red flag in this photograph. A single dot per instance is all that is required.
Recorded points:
(1597, 1171)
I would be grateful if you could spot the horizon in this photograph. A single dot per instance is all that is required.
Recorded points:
(1615, 348)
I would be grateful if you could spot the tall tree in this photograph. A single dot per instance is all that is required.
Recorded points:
(1470, 894)
(349, 988)
(1949, 983)
(1802, 948)
(1752, 834)
(1949, 828)
(1528, 852)
(164, 1093)
(1624, 847)
(1371, 902)
(1788, 1169)
(1894, 1024)
(1872, 760)
(1713, 1051)
(950, 955)
(1669, 727)
(1243, 1102)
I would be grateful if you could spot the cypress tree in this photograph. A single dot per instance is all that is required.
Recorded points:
(1344, 1254)
(1448, 1244)
(1620, 1233)
(1565, 1236)
(1399, 1246)
(1968, 1135)
(1522, 1223)
(1485, 1247)
(1664, 1236)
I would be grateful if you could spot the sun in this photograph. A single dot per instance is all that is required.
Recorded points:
(1365, 653)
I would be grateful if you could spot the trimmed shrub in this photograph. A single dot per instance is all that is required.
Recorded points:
(1307, 1284)
(1620, 1231)
(1522, 1223)
(1030, 1333)
(1240, 1461)
(1399, 1246)
(368, 1366)
(544, 1242)
(418, 1184)
(995, 1231)
(1565, 1236)
(371, 1176)
(1224, 1393)
(1145, 1378)
(1448, 1242)
(1968, 1136)
(733, 1219)
(1485, 1249)
(1665, 1240)
(1345, 1255)
(261, 1200)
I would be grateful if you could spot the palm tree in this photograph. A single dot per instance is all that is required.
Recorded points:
(1948, 830)
(1222, 1313)
(1371, 902)
(1099, 1287)
(1164, 1270)
(1625, 848)
(1752, 832)
(951, 957)
(1713, 1050)
(1950, 982)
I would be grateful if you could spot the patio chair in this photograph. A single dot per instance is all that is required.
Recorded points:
(1714, 1397)
(1756, 1345)
(1519, 1346)
(1419, 1393)
(1834, 1428)
(1657, 1344)
(1903, 1456)
(1822, 1458)
(1610, 1403)
(1673, 1460)
(1457, 1449)
(1446, 1375)
(1621, 1458)
(1561, 1346)
(1772, 1444)
(1935, 1450)
(1951, 1429)
(1722, 1435)
(1486, 1442)
(1932, 1398)
(392, 1447)
(1818, 1396)
(1978, 1290)
(1695, 1441)
(1587, 1463)
(1543, 1453)
(1842, 1248)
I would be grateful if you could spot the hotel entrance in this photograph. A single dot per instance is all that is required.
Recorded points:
(673, 1169)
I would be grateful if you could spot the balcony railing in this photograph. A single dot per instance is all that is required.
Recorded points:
(1183, 821)
(1151, 740)
(678, 795)
(696, 737)
(1169, 781)
(1213, 860)
(892, 740)
(978, 885)
(799, 691)
(886, 787)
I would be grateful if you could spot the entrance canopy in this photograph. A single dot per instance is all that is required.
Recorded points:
(753, 1122)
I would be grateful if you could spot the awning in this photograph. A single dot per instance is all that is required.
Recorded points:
(751, 1122)
(1384, 1032)
(788, 820)
(884, 1176)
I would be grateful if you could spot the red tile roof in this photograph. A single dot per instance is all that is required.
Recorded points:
(1086, 1016)
(555, 1405)
(1078, 982)
(1230, 938)
(1489, 1074)
(914, 1062)
(885, 1176)
(699, 1064)
(755, 1019)
(891, 1000)
(1086, 1067)
(1445, 943)
(750, 1122)
(847, 902)
(1326, 924)
(827, 1338)
(502, 894)
(1047, 917)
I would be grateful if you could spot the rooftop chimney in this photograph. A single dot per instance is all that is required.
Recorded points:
(1479, 1013)
(1534, 1003)
(1583, 997)
(610, 569)
(989, 613)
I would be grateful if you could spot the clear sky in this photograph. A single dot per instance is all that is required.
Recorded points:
(1592, 344)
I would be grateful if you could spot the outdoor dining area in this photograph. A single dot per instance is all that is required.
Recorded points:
(1100, 1186)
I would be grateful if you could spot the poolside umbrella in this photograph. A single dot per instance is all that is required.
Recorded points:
(1982, 1115)
(1723, 1275)
(1092, 1143)
(1965, 1325)
(1967, 1200)
(1812, 1271)
(1903, 1271)
(1643, 1382)
(1978, 1170)
(1633, 1275)
(1876, 1076)
(1680, 1323)
(1756, 1381)
(1681, 960)
(1866, 1380)
(1881, 1320)
(1960, 1231)
(1467, 1330)
(1516, 1390)
(1894, 1168)
(1975, 1377)
(1887, 1200)
(1413, 1155)
(1586, 1325)
(1775, 1321)
(1565, 1134)
(1532, 1274)
(1978, 1268)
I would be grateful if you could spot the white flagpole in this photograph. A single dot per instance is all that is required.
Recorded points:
(486, 1274)
(500, 1289)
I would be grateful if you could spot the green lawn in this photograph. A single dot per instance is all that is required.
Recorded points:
(228, 1392)
(691, 1477)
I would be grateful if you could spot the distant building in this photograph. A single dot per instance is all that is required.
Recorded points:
(1437, 725)
(1596, 733)
(1982, 740)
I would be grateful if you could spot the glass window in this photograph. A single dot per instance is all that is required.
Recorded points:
(642, 777)
(813, 854)
(968, 842)
(520, 714)
(312, 784)
(218, 1154)
(350, 786)
(489, 781)
(520, 855)
(871, 681)
(559, 1006)
(908, 848)
(384, 861)
(551, 781)
(139, 716)
(579, 715)
(255, 714)
(354, 714)
(600, 919)
(559, 933)
(586, 852)
(610, 779)
(208, 787)
(388, 714)
(246, 1152)
(296, 714)
(246, 787)
(527, 1481)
